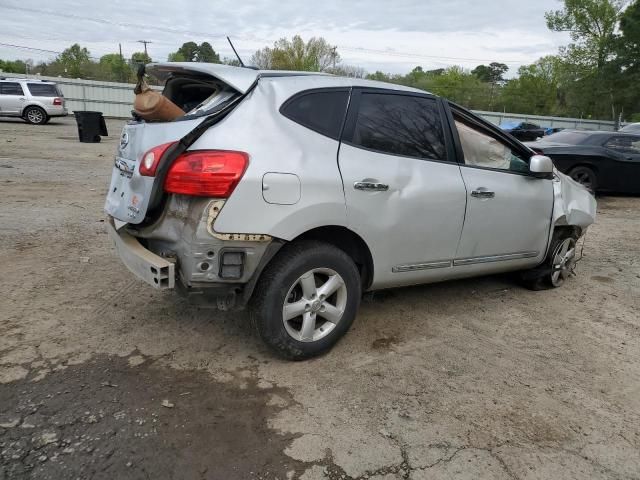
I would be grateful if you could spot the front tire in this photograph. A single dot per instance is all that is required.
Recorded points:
(35, 116)
(306, 299)
(585, 177)
(558, 266)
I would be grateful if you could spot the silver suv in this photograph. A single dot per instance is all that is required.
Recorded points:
(295, 193)
(36, 101)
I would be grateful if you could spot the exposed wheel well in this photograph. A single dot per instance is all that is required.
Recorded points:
(564, 231)
(350, 243)
(569, 230)
(590, 166)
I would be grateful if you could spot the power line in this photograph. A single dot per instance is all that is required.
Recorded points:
(248, 38)
(34, 49)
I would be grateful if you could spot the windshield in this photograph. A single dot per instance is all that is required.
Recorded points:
(571, 138)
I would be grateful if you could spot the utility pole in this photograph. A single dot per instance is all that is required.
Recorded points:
(145, 46)
(121, 63)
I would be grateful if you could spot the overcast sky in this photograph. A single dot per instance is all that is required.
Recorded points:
(388, 35)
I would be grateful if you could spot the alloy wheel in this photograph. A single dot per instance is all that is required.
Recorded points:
(35, 116)
(564, 261)
(314, 305)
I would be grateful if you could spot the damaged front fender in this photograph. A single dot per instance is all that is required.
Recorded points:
(573, 204)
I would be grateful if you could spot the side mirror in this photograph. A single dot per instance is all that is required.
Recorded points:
(540, 164)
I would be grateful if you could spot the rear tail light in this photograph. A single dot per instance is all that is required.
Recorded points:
(206, 173)
(57, 101)
(151, 159)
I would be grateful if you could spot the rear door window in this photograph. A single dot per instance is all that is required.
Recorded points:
(322, 111)
(10, 88)
(397, 124)
(43, 90)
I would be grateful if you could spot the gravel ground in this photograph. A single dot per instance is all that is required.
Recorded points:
(103, 377)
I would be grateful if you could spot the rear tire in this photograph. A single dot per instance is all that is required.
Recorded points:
(586, 177)
(306, 299)
(35, 115)
(558, 265)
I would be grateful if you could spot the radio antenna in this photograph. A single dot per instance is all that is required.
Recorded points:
(234, 51)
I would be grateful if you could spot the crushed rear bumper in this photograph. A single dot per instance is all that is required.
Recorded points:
(153, 269)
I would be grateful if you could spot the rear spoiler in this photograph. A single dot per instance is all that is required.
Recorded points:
(240, 79)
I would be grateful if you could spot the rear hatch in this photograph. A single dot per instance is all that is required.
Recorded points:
(201, 90)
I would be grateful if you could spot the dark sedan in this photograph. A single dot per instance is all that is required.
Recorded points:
(601, 161)
(523, 131)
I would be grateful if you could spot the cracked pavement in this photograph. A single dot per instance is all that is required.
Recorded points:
(468, 380)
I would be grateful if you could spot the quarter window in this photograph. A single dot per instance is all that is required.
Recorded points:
(10, 88)
(402, 125)
(43, 90)
(482, 150)
(625, 144)
(321, 111)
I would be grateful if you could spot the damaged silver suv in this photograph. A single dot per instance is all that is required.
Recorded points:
(294, 193)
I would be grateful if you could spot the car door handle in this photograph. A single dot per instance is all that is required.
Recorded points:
(483, 194)
(371, 186)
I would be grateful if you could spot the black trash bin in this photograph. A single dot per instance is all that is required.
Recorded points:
(90, 126)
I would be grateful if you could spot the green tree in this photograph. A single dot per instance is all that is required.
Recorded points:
(176, 57)
(537, 89)
(140, 57)
(590, 58)
(188, 52)
(207, 54)
(192, 52)
(454, 83)
(628, 46)
(113, 67)
(592, 26)
(628, 58)
(13, 66)
(75, 61)
(316, 55)
(493, 73)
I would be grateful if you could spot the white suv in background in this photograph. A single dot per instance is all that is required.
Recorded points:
(36, 101)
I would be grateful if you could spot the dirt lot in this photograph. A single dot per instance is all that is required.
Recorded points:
(102, 377)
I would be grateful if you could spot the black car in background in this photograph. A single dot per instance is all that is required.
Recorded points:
(523, 131)
(601, 161)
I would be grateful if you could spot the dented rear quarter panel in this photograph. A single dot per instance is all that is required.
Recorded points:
(276, 144)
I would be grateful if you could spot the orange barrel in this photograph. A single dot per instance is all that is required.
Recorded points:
(152, 105)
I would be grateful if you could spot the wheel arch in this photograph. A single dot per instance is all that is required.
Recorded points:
(341, 237)
(349, 242)
(585, 164)
(29, 105)
(560, 227)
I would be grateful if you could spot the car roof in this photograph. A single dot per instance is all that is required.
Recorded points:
(241, 78)
(598, 132)
(16, 79)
